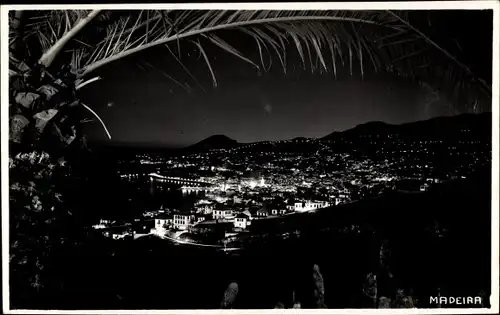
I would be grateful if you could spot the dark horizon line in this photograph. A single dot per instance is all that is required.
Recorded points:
(156, 145)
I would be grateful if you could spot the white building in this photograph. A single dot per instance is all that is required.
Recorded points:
(222, 214)
(263, 212)
(99, 226)
(199, 219)
(118, 236)
(205, 209)
(345, 194)
(183, 221)
(102, 224)
(310, 205)
(162, 223)
(242, 221)
(278, 212)
(424, 187)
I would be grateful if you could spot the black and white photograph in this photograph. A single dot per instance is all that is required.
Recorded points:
(252, 156)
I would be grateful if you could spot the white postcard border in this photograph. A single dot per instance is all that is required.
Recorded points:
(416, 5)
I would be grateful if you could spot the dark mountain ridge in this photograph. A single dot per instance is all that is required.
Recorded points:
(440, 127)
(214, 142)
(476, 126)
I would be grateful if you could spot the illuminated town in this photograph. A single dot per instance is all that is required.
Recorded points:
(237, 187)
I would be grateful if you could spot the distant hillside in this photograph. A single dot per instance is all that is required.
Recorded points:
(465, 125)
(214, 142)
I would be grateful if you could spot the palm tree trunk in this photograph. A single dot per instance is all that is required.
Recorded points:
(17, 45)
(46, 135)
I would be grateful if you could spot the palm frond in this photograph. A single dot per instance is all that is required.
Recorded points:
(202, 51)
(71, 30)
(325, 40)
(185, 69)
(274, 27)
(49, 26)
(227, 47)
(98, 118)
(80, 85)
(163, 73)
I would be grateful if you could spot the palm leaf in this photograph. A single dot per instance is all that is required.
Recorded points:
(224, 45)
(273, 25)
(98, 118)
(202, 51)
(185, 68)
(331, 39)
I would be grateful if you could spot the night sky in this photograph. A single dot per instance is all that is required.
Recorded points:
(141, 105)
